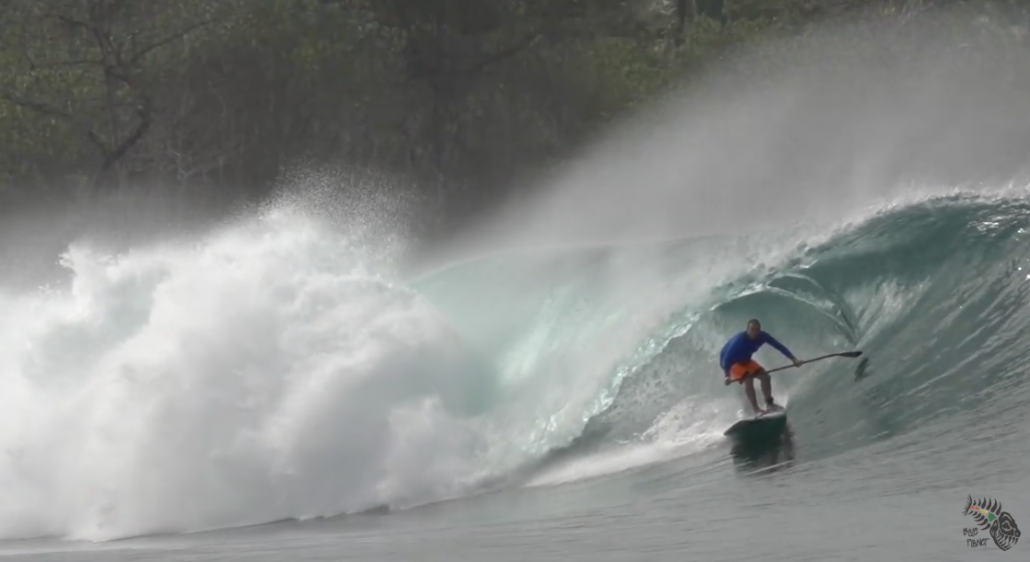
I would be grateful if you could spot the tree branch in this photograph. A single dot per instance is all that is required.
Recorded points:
(494, 58)
(38, 107)
(174, 37)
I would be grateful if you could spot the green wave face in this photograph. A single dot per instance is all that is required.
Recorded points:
(611, 343)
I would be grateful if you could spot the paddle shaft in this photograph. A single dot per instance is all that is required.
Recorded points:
(842, 354)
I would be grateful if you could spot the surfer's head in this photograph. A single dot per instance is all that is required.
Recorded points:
(754, 327)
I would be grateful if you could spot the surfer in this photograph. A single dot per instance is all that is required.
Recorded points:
(738, 366)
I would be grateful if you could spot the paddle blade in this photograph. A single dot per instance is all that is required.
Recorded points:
(851, 354)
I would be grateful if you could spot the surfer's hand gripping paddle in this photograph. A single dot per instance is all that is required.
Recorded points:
(849, 354)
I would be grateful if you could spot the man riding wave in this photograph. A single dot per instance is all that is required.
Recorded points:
(738, 366)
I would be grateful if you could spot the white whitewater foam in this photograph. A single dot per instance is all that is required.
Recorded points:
(261, 373)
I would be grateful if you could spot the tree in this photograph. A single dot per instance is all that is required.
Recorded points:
(81, 68)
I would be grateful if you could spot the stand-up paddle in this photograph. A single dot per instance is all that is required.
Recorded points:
(849, 354)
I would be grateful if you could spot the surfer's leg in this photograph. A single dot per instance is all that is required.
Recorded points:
(766, 386)
(749, 389)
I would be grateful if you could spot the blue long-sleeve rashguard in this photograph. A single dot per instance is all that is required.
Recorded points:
(740, 348)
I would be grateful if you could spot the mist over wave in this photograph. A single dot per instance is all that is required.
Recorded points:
(813, 125)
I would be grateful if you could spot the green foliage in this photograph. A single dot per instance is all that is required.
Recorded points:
(453, 93)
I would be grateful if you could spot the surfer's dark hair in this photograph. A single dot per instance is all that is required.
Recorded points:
(754, 321)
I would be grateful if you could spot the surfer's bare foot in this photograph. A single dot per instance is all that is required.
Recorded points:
(760, 412)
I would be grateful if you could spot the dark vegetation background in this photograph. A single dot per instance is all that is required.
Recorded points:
(461, 99)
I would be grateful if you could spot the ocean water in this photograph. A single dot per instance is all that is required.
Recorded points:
(272, 390)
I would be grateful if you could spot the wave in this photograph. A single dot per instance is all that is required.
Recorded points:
(269, 372)
(898, 284)
(935, 293)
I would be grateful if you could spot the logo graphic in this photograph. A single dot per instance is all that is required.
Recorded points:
(990, 517)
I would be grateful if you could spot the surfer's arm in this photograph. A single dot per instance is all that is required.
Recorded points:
(779, 346)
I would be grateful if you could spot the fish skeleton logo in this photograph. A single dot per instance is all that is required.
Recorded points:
(989, 516)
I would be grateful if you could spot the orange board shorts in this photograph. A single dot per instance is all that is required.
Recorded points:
(738, 371)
